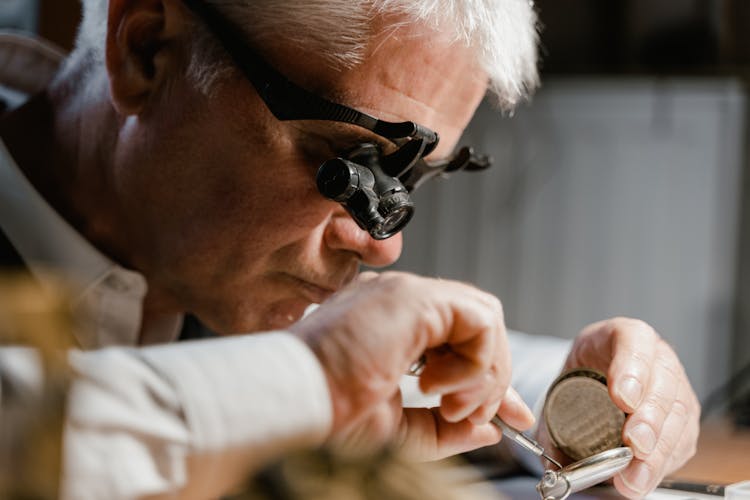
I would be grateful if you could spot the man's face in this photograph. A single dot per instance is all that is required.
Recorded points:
(228, 220)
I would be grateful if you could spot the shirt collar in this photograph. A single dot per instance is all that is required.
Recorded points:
(110, 296)
(47, 243)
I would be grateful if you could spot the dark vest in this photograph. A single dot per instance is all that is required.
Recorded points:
(10, 259)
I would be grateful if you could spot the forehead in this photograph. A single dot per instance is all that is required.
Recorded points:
(409, 73)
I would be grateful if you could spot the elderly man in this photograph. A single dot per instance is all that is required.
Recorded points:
(170, 168)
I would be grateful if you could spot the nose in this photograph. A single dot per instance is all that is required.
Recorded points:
(342, 233)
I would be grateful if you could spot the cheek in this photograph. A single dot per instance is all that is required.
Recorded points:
(266, 199)
(283, 191)
(255, 186)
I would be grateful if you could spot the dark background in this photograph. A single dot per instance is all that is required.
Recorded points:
(645, 37)
(590, 36)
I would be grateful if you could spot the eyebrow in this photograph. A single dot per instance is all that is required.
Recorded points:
(346, 135)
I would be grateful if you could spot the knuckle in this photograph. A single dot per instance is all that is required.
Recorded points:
(692, 450)
(655, 411)
(693, 433)
(389, 275)
(671, 369)
(662, 451)
(680, 411)
(393, 282)
(402, 278)
(640, 467)
(497, 305)
(645, 329)
(694, 396)
(492, 304)
(485, 412)
(696, 407)
(641, 358)
(665, 352)
(623, 324)
(681, 455)
(500, 384)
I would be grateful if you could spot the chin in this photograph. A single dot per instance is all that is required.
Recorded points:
(278, 315)
(284, 313)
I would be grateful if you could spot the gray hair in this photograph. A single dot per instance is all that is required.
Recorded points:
(502, 32)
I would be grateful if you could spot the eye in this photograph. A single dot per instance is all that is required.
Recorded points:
(313, 148)
(318, 148)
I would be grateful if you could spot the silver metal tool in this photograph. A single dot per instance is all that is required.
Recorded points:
(522, 440)
(416, 368)
(559, 484)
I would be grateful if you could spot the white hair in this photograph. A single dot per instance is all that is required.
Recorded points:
(502, 32)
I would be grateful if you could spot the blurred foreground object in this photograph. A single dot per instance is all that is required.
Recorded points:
(19, 14)
(327, 475)
(35, 332)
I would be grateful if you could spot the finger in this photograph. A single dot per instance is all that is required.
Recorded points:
(449, 372)
(514, 411)
(634, 346)
(426, 435)
(368, 334)
(592, 347)
(687, 445)
(684, 451)
(378, 427)
(465, 403)
(481, 402)
(643, 476)
(644, 428)
(472, 328)
(637, 473)
(485, 412)
(511, 408)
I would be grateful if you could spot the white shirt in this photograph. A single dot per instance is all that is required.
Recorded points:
(174, 419)
(137, 414)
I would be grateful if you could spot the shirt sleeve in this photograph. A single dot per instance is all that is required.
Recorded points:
(187, 420)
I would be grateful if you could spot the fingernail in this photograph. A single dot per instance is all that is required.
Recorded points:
(630, 391)
(638, 479)
(643, 438)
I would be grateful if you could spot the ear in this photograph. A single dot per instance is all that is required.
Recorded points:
(141, 53)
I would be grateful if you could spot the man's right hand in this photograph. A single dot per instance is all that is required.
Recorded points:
(368, 334)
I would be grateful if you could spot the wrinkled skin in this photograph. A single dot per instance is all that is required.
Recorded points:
(648, 383)
(367, 336)
(214, 201)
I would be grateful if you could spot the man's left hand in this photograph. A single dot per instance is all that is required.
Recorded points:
(648, 382)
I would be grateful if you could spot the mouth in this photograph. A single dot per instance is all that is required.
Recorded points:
(313, 292)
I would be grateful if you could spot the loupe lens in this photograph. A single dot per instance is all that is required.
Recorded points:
(338, 179)
(397, 210)
(378, 202)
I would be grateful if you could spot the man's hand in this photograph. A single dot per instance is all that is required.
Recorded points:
(647, 381)
(366, 337)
